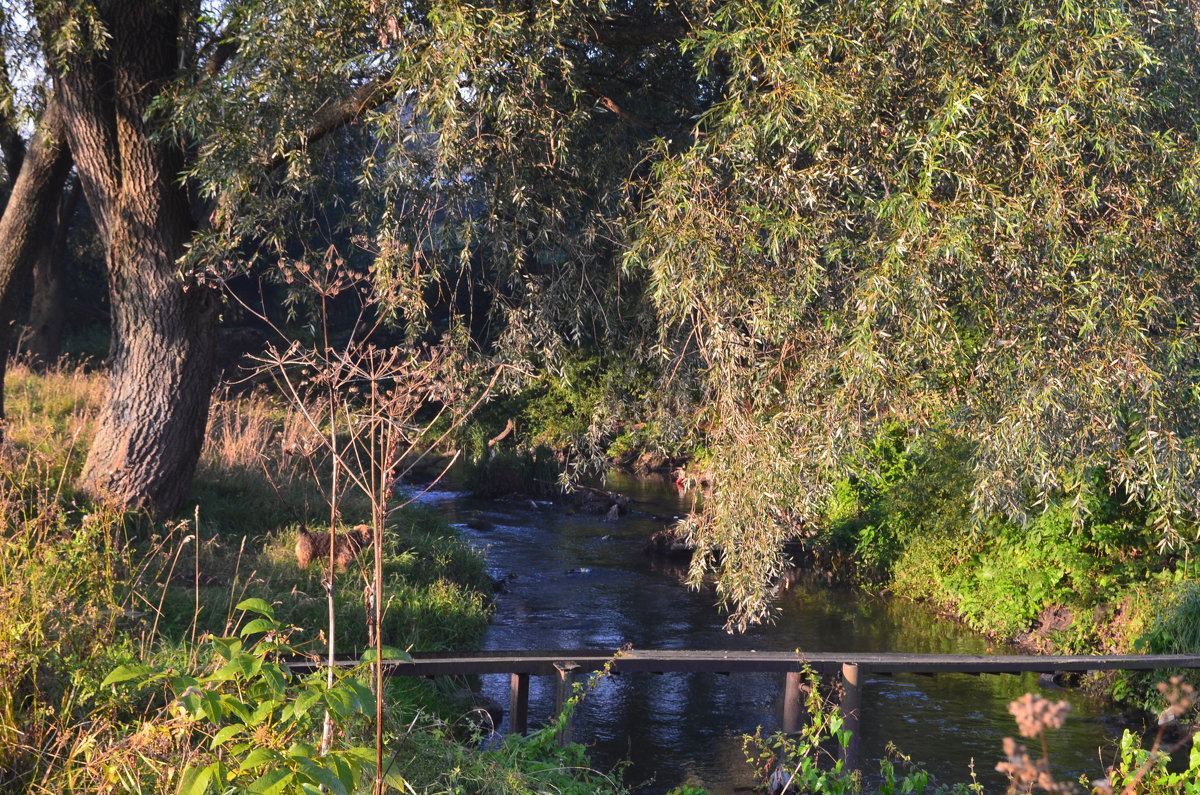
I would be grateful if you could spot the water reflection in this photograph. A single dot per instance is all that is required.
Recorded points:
(678, 727)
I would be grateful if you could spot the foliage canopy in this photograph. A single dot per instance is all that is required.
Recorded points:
(972, 216)
(809, 219)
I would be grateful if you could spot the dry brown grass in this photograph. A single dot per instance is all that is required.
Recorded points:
(259, 459)
(258, 468)
(253, 432)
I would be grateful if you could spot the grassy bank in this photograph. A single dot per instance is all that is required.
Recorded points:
(87, 591)
(1081, 575)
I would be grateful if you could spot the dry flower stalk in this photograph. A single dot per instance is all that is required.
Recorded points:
(1034, 715)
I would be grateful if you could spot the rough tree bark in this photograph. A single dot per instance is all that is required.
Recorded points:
(28, 218)
(151, 426)
(48, 311)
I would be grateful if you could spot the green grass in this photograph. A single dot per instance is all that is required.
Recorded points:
(436, 589)
(85, 590)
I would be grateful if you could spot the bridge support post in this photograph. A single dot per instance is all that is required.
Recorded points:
(852, 713)
(518, 704)
(794, 695)
(562, 692)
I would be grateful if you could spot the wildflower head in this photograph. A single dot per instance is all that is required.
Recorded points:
(1035, 714)
(1179, 696)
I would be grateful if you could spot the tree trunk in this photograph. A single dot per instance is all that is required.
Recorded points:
(48, 312)
(151, 426)
(27, 220)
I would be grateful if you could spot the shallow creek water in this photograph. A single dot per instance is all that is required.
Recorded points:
(679, 728)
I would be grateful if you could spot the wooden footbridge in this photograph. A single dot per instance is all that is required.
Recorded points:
(852, 667)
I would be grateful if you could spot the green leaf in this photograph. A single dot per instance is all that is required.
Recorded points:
(252, 664)
(301, 750)
(393, 778)
(361, 694)
(224, 735)
(238, 708)
(213, 709)
(305, 700)
(193, 703)
(258, 756)
(346, 773)
(227, 647)
(124, 673)
(389, 653)
(258, 625)
(323, 776)
(261, 713)
(256, 605)
(274, 679)
(181, 682)
(271, 782)
(340, 703)
(229, 671)
(362, 753)
(195, 780)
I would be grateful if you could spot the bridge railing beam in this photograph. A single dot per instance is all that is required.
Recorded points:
(852, 667)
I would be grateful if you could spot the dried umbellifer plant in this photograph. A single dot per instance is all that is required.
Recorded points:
(370, 410)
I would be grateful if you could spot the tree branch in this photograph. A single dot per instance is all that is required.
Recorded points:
(11, 142)
(332, 116)
(609, 104)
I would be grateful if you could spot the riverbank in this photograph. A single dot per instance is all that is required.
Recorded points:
(97, 601)
(1085, 572)
(1082, 575)
(577, 580)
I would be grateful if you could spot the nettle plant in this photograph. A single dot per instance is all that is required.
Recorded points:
(248, 726)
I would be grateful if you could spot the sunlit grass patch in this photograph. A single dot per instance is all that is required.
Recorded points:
(435, 586)
(87, 590)
(64, 603)
(50, 416)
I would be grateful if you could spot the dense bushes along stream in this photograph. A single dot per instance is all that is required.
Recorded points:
(1085, 573)
(1081, 575)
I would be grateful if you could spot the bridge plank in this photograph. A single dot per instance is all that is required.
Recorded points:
(741, 661)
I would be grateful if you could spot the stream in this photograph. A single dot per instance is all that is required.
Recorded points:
(576, 581)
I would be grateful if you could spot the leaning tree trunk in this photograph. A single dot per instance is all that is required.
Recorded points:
(48, 311)
(27, 220)
(151, 425)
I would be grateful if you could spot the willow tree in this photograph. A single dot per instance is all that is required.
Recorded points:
(113, 66)
(493, 188)
(839, 214)
(198, 140)
(973, 216)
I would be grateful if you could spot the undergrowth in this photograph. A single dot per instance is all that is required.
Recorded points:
(91, 594)
(571, 418)
(1080, 575)
(87, 591)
